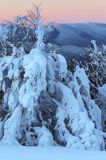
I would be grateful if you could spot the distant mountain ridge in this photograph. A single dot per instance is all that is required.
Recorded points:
(75, 37)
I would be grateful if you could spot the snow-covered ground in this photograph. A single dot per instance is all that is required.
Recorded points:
(50, 153)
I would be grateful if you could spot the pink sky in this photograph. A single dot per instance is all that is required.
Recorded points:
(58, 10)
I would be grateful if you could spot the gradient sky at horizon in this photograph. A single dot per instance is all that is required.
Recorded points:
(58, 10)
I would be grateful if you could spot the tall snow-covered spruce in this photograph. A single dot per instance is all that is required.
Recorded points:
(41, 102)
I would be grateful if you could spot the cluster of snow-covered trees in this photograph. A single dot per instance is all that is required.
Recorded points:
(42, 103)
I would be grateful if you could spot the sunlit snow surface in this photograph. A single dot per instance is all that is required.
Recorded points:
(51, 153)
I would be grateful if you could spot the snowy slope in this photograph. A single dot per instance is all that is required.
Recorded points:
(51, 153)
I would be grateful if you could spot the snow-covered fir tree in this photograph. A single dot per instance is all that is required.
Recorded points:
(96, 71)
(41, 102)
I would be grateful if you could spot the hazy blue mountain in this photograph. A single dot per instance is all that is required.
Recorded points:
(73, 38)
